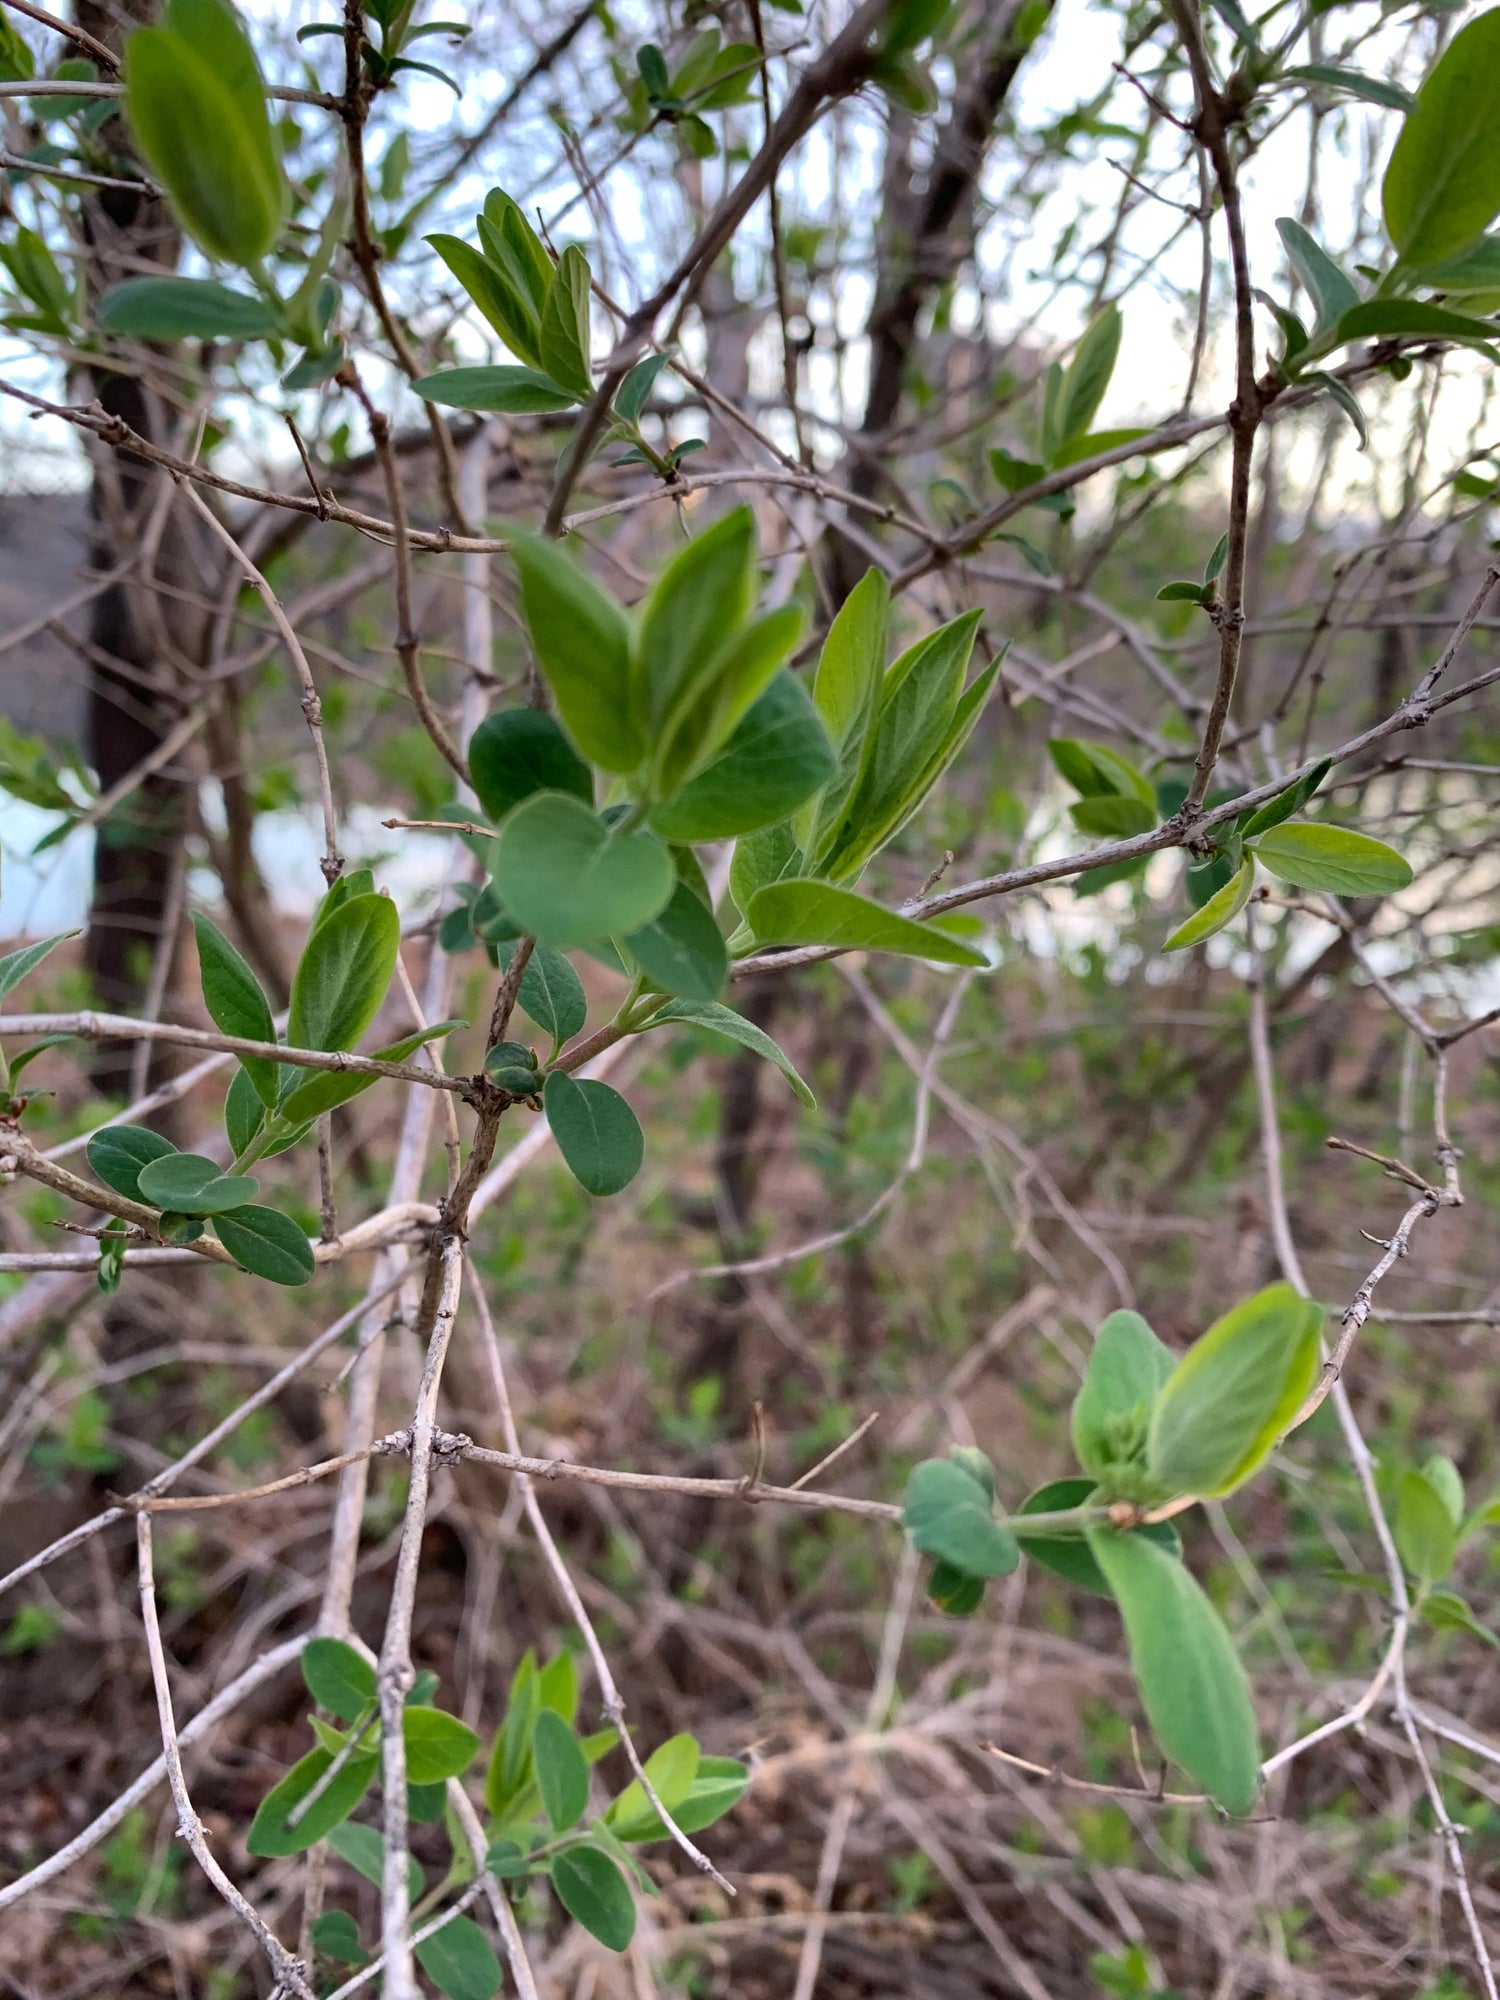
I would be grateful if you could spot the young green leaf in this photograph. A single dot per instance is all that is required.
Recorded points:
(1221, 908)
(190, 1184)
(672, 1768)
(510, 1759)
(634, 392)
(343, 974)
(326, 1089)
(1354, 83)
(336, 1935)
(1395, 319)
(364, 1850)
(583, 646)
(846, 692)
(1318, 856)
(504, 298)
(1286, 803)
(267, 1243)
(1442, 187)
(1193, 1687)
(438, 1745)
(118, 1153)
(197, 104)
(808, 912)
(566, 878)
(16, 964)
(681, 951)
(1331, 292)
(236, 1004)
(1097, 771)
(1426, 1532)
(953, 1592)
(562, 1772)
(597, 1133)
(700, 599)
(551, 992)
(1445, 1479)
(1446, 1611)
(460, 1961)
(1223, 1409)
(338, 1678)
(714, 701)
(777, 757)
(497, 390)
(1111, 1411)
(272, 1831)
(771, 855)
(518, 751)
(1112, 817)
(563, 339)
(724, 1021)
(1088, 376)
(183, 309)
(591, 1889)
(948, 1515)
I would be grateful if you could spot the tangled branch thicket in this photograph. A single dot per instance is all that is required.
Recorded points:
(515, 449)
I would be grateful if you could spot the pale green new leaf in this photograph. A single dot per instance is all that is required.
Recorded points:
(1442, 187)
(343, 974)
(698, 602)
(1224, 1408)
(568, 880)
(563, 341)
(1127, 1367)
(724, 1021)
(802, 911)
(1331, 292)
(1221, 908)
(583, 646)
(1426, 1531)
(1088, 375)
(1318, 856)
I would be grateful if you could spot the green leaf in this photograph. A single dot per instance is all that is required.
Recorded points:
(460, 1961)
(583, 646)
(1113, 817)
(271, 1832)
(918, 697)
(1445, 1479)
(502, 294)
(724, 1021)
(1088, 375)
(953, 1592)
(1442, 187)
(1426, 1532)
(846, 692)
(557, 1686)
(514, 247)
(562, 1771)
(772, 855)
(510, 1759)
(802, 911)
(1192, 1684)
(364, 1850)
(948, 1515)
(1354, 83)
(1446, 1611)
(1221, 908)
(438, 1745)
(563, 341)
(671, 1767)
(183, 309)
(1394, 319)
(551, 992)
(1332, 293)
(190, 1184)
(591, 1889)
(1292, 800)
(597, 1133)
(567, 879)
(118, 1153)
(1476, 269)
(197, 105)
(1097, 771)
(338, 1678)
(777, 757)
(716, 700)
(717, 1786)
(236, 1004)
(16, 964)
(1184, 592)
(698, 602)
(1224, 1408)
(519, 751)
(336, 1935)
(326, 1089)
(682, 950)
(267, 1243)
(634, 392)
(1332, 857)
(1111, 1411)
(498, 390)
(346, 966)
(1069, 1556)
